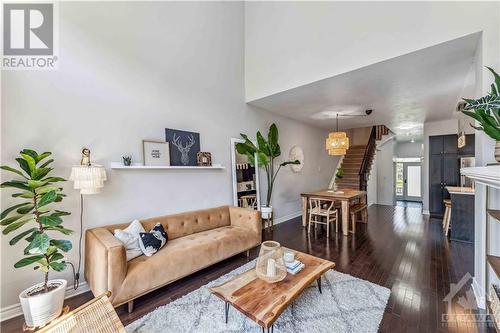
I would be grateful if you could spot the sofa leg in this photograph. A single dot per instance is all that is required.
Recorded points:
(248, 253)
(130, 305)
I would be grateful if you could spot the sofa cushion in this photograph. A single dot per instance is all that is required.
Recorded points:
(151, 242)
(183, 224)
(183, 256)
(130, 239)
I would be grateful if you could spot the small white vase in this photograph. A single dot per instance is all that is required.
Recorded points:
(497, 151)
(266, 211)
(42, 308)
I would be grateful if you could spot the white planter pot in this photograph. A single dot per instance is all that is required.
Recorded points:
(40, 309)
(266, 211)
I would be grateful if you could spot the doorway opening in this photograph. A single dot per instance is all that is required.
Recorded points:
(408, 181)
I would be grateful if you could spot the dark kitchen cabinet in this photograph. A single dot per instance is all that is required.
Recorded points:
(469, 149)
(443, 170)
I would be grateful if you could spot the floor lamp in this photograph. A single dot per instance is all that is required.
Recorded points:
(89, 179)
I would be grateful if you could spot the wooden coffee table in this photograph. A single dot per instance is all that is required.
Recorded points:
(264, 302)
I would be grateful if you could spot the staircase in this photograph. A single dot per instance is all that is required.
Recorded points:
(358, 161)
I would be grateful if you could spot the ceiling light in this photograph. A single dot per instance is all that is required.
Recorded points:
(337, 142)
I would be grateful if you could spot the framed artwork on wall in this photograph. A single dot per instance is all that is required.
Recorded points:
(155, 153)
(184, 147)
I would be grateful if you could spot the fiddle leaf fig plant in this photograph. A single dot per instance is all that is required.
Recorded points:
(35, 216)
(266, 152)
(486, 110)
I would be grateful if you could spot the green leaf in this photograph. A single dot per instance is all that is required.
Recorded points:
(56, 256)
(9, 220)
(60, 213)
(25, 210)
(47, 198)
(62, 244)
(26, 195)
(51, 220)
(40, 173)
(8, 168)
(39, 245)
(472, 115)
(272, 137)
(60, 229)
(11, 209)
(54, 179)
(24, 165)
(58, 266)
(16, 184)
(51, 250)
(42, 190)
(262, 159)
(31, 162)
(33, 184)
(262, 144)
(42, 156)
(497, 77)
(16, 239)
(277, 151)
(27, 261)
(46, 163)
(16, 225)
(33, 154)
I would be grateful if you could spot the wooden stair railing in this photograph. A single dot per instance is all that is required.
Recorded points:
(364, 170)
(358, 161)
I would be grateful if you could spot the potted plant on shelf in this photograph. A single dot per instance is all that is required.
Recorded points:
(266, 151)
(32, 220)
(486, 110)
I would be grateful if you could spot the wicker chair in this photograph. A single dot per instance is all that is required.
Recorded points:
(97, 315)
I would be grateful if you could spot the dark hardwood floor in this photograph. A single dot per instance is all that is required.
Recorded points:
(399, 248)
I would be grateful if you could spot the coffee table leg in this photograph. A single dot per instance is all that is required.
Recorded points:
(226, 310)
(319, 284)
(269, 329)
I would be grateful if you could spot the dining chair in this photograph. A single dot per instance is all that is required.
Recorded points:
(323, 208)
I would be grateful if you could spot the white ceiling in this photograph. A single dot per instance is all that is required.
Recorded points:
(404, 92)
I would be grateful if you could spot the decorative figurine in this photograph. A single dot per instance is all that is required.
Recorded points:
(85, 157)
(127, 160)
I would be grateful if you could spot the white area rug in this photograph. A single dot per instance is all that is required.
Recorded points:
(347, 304)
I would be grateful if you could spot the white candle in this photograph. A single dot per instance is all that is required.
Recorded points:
(271, 267)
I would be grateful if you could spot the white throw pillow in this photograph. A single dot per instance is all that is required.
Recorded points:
(130, 238)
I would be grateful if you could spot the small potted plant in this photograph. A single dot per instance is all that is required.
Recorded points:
(266, 151)
(486, 110)
(35, 221)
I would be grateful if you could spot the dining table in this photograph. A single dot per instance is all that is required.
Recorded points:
(345, 196)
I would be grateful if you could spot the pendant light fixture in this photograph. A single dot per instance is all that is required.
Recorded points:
(337, 142)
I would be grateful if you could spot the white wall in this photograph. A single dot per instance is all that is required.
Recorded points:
(126, 77)
(409, 149)
(372, 185)
(385, 173)
(289, 44)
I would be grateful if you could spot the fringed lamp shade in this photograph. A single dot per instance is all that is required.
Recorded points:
(337, 143)
(88, 179)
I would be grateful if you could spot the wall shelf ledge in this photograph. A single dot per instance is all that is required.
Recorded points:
(140, 166)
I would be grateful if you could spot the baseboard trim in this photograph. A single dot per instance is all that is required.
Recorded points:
(287, 217)
(15, 310)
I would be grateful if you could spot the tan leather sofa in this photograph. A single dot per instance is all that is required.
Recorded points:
(195, 240)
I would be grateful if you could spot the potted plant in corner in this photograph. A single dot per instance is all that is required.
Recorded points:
(486, 110)
(266, 152)
(32, 220)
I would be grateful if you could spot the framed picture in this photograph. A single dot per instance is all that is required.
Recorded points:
(204, 158)
(155, 153)
(184, 147)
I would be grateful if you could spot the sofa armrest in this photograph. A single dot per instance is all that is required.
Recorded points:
(248, 219)
(105, 261)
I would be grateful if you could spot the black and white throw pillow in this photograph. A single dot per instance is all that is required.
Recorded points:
(151, 242)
